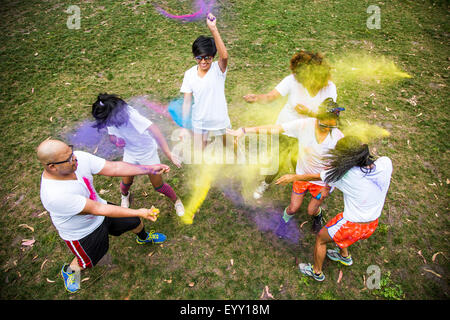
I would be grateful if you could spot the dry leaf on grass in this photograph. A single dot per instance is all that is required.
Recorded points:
(301, 226)
(431, 271)
(168, 280)
(43, 263)
(435, 255)
(51, 281)
(231, 261)
(28, 242)
(191, 284)
(340, 276)
(42, 213)
(420, 254)
(266, 294)
(26, 226)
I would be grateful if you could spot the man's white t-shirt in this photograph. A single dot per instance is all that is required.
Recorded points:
(297, 94)
(65, 199)
(139, 142)
(364, 193)
(310, 152)
(210, 110)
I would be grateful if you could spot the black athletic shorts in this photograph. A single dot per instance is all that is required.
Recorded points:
(90, 249)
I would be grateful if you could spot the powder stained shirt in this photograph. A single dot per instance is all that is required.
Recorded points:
(364, 193)
(65, 199)
(139, 142)
(310, 152)
(210, 110)
(297, 94)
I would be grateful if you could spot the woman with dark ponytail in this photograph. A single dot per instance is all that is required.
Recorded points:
(139, 137)
(364, 183)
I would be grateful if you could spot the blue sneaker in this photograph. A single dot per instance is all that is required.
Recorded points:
(282, 229)
(335, 255)
(69, 279)
(308, 269)
(152, 237)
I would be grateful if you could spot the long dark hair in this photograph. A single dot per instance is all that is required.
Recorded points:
(109, 110)
(349, 152)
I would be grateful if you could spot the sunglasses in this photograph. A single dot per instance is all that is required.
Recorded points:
(206, 58)
(68, 160)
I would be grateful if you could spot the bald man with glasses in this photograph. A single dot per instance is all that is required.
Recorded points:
(82, 218)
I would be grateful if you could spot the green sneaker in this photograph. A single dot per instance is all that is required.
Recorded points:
(334, 254)
(152, 237)
(308, 270)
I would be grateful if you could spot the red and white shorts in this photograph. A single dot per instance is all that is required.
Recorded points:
(90, 249)
(345, 233)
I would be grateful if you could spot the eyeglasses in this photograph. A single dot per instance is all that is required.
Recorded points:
(70, 159)
(206, 58)
(326, 126)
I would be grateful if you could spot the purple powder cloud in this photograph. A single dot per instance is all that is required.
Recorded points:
(202, 7)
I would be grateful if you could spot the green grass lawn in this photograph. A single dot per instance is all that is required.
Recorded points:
(50, 76)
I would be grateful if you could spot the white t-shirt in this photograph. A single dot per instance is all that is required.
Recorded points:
(297, 94)
(65, 199)
(210, 110)
(310, 152)
(139, 142)
(364, 194)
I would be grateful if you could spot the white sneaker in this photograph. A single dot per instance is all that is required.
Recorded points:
(179, 208)
(125, 202)
(260, 190)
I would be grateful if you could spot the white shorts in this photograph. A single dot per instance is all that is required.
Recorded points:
(152, 159)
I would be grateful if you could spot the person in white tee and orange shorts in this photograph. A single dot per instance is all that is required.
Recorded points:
(364, 183)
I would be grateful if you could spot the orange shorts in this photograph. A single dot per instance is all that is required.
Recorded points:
(300, 187)
(345, 233)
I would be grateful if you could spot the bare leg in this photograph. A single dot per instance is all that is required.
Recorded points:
(126, 184)
(75, 266)
(156, 180)
(296, 202)
(320, 249)
(314, 205)
(344, 252)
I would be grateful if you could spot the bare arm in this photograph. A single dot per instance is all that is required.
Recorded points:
(263, 98)
(187, 101)
(303, 110)
(272, 129)
(107, 210)
(287, 178)
(221, 49)
(124, 169)
(156, 133)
